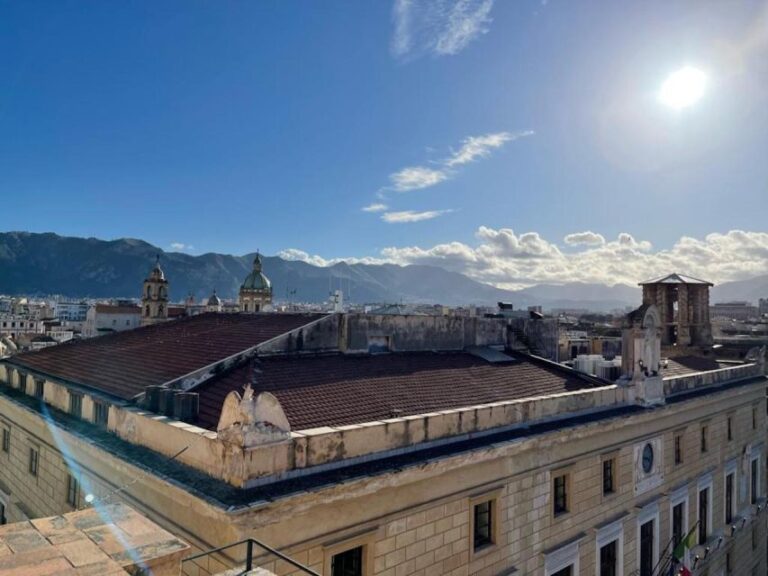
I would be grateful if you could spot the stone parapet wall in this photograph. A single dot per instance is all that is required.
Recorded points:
(687, 382)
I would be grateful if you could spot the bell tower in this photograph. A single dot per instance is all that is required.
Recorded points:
(154, 297)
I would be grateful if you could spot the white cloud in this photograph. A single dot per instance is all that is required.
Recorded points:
(437, 27)
(472, 148)
(466, 21)
(506, 259)
(376, 207)
(411, 216)
(416, 177)
(475, 147)
(181, 247)
(587, 238)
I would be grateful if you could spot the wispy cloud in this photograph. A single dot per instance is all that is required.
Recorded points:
(181, 247)
(472, 148)
(411, 216)
(376, 207)
(475, 147)
(437, 27)
(416, 177)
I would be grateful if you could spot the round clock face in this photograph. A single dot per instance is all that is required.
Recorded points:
(647, 458)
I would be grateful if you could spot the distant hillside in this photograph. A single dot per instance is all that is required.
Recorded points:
(750, 290)
(46, 264)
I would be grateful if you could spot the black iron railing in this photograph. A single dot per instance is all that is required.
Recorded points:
(244, 566)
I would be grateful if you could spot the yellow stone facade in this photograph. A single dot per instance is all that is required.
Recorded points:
(417, 520)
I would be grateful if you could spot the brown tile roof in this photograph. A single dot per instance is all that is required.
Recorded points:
(337, 390)
(124, 363)
(689, 364)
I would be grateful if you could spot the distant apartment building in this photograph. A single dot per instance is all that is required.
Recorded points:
(15, 325)
(763, 306)
(738, 310)
(108, 318)
(71, 311)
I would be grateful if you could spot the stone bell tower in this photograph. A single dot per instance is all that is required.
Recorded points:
(683, 304)
(154, 297)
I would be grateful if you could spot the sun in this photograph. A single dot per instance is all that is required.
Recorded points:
(683, 88)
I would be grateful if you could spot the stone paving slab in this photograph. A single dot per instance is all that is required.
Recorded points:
(112, 541)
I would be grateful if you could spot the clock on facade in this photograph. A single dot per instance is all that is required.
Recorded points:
(648, 458)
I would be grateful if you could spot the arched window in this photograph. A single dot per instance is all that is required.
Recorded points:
(245, 307)
(160, 310)
(146, 311)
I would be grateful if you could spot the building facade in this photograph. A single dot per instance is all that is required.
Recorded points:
(108, 318)
(388, 445)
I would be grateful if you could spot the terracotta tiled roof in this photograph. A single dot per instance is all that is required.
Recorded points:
(124, 363)
(338, 390)
(690, 364)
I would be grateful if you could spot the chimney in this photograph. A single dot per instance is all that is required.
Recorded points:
(152, 398)
(186, 406)
(165, 405)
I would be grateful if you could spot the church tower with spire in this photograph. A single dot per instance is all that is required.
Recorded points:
(154, 297)
(256, 290)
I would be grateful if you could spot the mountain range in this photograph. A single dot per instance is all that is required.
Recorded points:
(49, 264)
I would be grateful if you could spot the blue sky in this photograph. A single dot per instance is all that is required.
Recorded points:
(231, 126)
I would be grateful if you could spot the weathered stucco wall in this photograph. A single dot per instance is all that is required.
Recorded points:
(362, 332)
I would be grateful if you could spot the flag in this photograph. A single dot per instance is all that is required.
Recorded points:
(680, 552)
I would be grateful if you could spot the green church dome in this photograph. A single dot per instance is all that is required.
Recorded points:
(256, 280)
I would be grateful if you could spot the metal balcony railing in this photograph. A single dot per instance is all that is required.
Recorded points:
(202, 563)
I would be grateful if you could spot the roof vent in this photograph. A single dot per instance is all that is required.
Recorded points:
(186, 406)
(165, 405)
(152, 398)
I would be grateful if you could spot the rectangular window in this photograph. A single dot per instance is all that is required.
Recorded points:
(73, 491)
(704, 437)
(6, 440)
(609, 559)
(754, 418)
(76, 404)
(39, 388)
(755, 486)
(646, 548)
(728, 564)
(729, 482)
(100, 414)
(703, 515)
(560, 494)
(3, 519)
(349, 563)
(34, 460)
(567, 571)
(678, 517)
(678, 448)
(609, 469)
(483, 525)
(730, 428)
